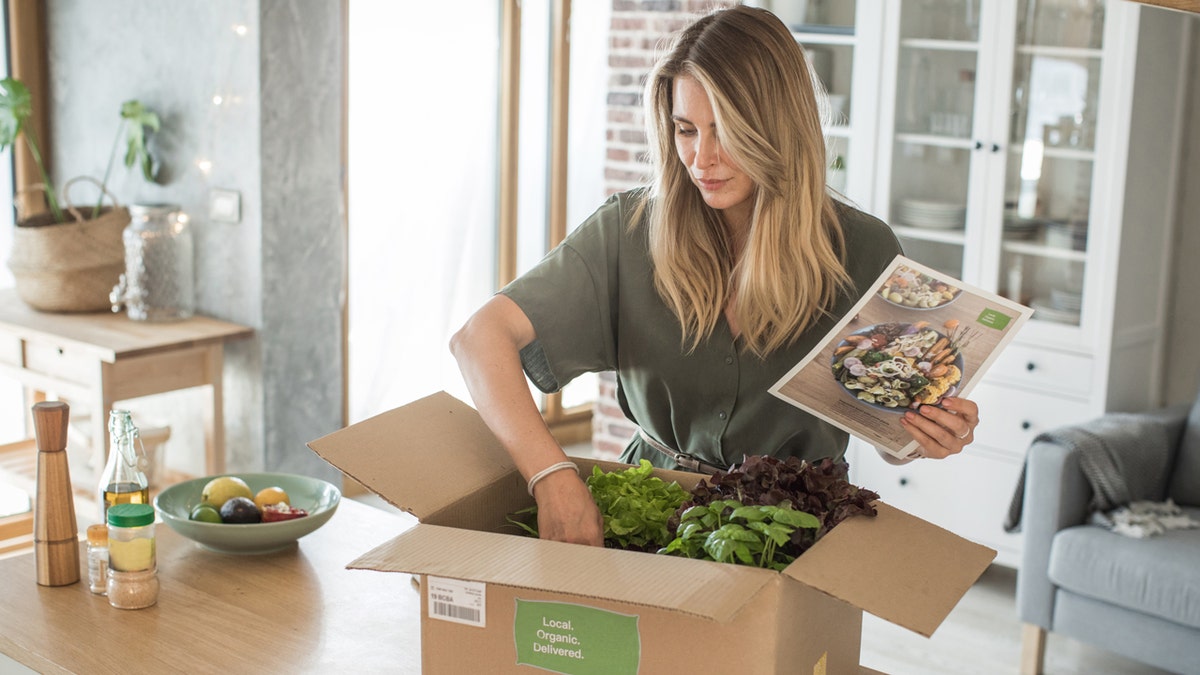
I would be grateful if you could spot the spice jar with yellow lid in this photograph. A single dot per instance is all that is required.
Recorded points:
(132, 563)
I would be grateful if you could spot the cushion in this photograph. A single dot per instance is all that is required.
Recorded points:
(1185, 480)
(1158, 575)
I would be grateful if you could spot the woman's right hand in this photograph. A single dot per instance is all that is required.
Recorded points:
(566, 510)
(488, 352)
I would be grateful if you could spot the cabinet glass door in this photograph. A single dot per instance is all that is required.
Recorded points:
(1048, 179)
(827, 31)
(934, 118)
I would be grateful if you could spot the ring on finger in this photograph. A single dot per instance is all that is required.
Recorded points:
(964, 435)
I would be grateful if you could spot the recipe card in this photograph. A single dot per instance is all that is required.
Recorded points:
(916, 337)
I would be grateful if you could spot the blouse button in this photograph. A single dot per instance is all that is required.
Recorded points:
(728, 360)
(722, 414)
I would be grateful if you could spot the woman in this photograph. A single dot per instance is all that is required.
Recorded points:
(700, 291)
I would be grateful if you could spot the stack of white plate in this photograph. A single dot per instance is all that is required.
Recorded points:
(1067, 235)
(932, 214)
(1068, 301)
(1021, 228)
(1044, 309)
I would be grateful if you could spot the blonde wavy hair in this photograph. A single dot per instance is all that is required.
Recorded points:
(764, 101)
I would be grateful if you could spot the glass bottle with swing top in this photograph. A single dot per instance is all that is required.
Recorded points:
(124, 478)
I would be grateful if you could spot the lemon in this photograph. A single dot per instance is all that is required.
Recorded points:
(205, 513)
(271, 495)
(220, 490)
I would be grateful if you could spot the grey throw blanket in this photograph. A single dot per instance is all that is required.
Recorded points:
(1123, 457)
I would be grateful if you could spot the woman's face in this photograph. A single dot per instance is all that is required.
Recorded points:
(720, 181)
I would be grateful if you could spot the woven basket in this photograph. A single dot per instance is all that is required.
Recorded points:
(72, 266)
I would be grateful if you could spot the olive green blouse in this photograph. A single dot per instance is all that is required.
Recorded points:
(593, 305)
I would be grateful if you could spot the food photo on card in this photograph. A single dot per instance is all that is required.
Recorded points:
(917, 337)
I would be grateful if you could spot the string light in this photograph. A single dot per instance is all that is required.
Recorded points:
(240, 29)
(204, 165)
(217, 100)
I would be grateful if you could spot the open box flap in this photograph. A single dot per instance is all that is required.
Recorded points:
(711, 590)
(895, 566)
(400, 454)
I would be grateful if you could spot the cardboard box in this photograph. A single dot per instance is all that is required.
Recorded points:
(496, 602)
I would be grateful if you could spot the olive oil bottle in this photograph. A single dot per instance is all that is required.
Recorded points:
(124, 478)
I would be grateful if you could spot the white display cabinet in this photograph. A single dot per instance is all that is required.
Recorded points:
(1029, 148)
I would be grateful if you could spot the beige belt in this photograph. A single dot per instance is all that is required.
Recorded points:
(683, 459)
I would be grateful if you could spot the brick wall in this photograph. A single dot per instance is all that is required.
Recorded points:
(640, 32)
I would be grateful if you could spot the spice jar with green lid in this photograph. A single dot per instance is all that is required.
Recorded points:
(132, 563)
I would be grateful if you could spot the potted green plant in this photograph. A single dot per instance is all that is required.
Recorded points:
(68, 259)
(836, 176)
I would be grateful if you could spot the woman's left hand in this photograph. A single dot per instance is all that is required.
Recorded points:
(944, 429)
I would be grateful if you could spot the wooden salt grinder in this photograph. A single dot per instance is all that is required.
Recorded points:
(55, 535)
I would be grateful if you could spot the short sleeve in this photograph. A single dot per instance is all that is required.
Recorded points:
(570, 298)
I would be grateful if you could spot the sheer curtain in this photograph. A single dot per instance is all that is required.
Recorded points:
(12, 401)
(423, 138)
(422, 187)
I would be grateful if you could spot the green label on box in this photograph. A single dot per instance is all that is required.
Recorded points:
(576, 639)
(993, 319)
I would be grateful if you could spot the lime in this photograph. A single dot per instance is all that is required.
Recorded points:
(205, 513)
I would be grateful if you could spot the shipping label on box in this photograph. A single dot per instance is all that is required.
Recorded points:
(458, 601)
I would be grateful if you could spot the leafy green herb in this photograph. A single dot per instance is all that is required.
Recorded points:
(725, 530)
(764, 512)
(635, 505)
(524, 520)
(819, 488)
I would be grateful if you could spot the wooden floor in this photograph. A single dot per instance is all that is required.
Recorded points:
(982, 636)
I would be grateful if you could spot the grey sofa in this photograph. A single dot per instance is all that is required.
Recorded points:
(1137, 597)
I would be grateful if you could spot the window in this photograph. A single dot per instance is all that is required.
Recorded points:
(429, 176)
(27, 16)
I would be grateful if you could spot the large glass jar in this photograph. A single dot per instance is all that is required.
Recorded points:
(159, 282)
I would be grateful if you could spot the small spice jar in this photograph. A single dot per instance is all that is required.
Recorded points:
(132, 563)
(97, 558)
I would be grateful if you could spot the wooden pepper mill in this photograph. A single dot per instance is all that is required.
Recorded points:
(55, 535)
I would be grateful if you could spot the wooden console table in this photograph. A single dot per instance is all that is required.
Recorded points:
(93, 360)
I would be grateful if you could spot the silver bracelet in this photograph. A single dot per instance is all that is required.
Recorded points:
(533, 480)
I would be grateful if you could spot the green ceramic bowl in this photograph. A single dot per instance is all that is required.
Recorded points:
(316, 496)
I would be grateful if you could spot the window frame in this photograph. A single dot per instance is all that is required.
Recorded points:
(27, 62)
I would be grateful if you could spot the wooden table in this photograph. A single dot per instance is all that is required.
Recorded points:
(297, 610)
(94, 360)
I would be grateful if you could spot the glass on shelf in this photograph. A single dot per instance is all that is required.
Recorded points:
(937, 93)
(814, 16)
(956, 20)
(945, 257)
(1053, 287)
(1075, 24)
(833, 67)
(1054, 101)
(1046, 189)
